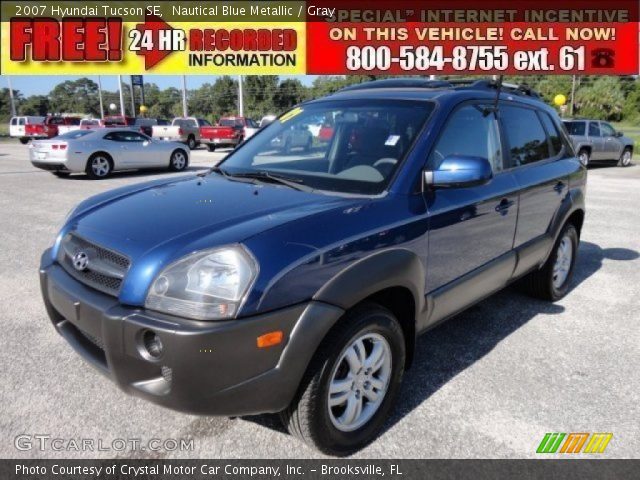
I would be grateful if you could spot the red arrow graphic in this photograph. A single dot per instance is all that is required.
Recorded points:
(154, 24)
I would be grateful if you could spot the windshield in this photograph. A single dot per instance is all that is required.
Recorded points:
(358, 151)
(575, 128)
(74, 134)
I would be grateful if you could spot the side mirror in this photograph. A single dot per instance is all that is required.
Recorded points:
(459, 171)
(618, 134)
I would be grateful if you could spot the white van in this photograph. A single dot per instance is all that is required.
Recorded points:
(17, 124)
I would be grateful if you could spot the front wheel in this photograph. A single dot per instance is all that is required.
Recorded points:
(625, 158)
(99, 166)
(351, 383)
(178, 161)
(553, 280)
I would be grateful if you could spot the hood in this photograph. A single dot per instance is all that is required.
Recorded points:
(157, 223)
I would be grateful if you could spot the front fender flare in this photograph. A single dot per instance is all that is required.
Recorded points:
(374, 273)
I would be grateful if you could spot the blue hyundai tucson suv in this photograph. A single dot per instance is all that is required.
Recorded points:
(296, 280)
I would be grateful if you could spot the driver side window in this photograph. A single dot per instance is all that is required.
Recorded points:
(469, 132)
(607, 130)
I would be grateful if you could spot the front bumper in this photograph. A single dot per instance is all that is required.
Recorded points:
(212, 368)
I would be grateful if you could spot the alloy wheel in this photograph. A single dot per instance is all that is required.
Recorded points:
(100, 166)
(179, 161)
(359, 382)
(562, 266)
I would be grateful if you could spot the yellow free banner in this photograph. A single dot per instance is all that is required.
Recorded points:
(214, 62)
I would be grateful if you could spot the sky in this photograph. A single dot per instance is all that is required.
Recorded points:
(42, 85)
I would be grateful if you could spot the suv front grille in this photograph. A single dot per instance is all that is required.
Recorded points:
(105, 269)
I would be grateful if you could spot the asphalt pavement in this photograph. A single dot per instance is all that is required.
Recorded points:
(488, 383)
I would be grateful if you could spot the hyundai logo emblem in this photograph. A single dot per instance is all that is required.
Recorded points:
(80, 261)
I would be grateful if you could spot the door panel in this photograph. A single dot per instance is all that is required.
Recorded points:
(597, 149)
(612, 147)
(544, 185)
(470, 227)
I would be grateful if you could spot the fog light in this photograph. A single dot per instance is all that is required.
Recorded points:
(152, 344)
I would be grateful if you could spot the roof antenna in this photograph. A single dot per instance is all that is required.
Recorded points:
(498, 82)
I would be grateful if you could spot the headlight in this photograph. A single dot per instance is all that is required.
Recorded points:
(208, 285)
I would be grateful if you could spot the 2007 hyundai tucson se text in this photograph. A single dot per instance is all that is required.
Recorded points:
(296, 282)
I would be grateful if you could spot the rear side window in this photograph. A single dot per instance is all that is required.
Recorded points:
(469, 132)
(554, 134)
(576, 128)
(527, 139)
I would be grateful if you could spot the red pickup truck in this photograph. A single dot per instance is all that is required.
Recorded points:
(50, 127)
(230, 131)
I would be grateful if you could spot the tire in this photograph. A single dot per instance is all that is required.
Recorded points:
(99, 166)
(584, 156)
(240, 140)
(211, 147)
(625, 158)
(62, 174)
(191, 142)
(178, 161)
(553, 280)
(24, 140)
(309, 416)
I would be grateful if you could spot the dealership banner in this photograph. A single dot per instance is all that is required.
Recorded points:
(322, 37)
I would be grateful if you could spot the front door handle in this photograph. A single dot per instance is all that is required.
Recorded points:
(559, 187)
(504, 205)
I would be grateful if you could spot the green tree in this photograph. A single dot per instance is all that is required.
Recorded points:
(602, 100)
(5, 103)
(259, 93)
(631, 110)
(290, 92)
(77, 96)
(35, 105)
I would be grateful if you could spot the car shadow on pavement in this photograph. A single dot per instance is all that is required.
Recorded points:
(448, 349)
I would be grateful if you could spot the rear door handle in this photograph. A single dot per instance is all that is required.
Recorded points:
(504, 206)
(559, 187)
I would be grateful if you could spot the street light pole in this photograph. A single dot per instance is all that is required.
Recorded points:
(11, 99)
(133, 98)
(185, 113)
(240, 97)
(122, 112)
(100, 95)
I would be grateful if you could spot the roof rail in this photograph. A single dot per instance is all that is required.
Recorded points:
(463, 83)
(398, 83)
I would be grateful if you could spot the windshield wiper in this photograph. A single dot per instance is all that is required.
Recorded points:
(261, 175)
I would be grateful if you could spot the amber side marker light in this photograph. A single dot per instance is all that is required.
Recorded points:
(270, 339)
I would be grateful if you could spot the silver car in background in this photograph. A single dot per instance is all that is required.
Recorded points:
(101, 151)
(597, 140)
